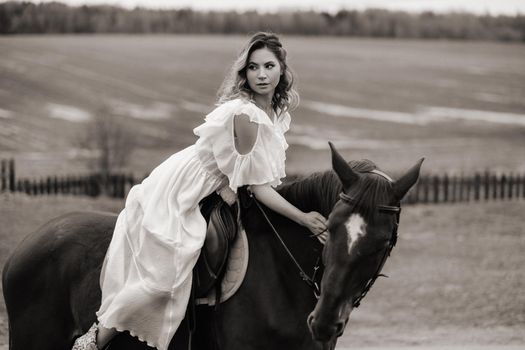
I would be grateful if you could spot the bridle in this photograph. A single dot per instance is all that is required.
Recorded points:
(348, 200)
(387, 209)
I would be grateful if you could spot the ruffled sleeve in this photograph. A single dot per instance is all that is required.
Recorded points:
(264, 164)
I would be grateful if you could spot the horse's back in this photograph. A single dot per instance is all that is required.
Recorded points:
(51, 280)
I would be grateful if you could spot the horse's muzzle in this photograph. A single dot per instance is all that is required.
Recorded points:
(324, 332)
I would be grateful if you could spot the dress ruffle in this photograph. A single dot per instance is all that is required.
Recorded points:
(264, 164)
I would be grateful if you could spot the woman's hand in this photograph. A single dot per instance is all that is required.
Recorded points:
(227, 195)
(316, 223)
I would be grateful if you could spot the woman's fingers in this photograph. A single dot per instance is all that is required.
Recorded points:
(317, 225)
(322, 238)
(321, 219)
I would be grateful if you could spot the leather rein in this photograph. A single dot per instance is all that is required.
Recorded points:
(348, 200)
(310, 281)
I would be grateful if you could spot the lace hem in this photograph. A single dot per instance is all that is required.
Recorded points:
(132, 333)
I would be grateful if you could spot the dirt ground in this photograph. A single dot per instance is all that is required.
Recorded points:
(456, 275)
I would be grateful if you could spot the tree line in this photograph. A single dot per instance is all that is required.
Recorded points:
(56, 18)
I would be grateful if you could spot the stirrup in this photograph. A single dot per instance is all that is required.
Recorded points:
(87, 341)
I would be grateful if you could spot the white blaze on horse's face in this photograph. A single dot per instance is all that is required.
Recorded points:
(355, 228)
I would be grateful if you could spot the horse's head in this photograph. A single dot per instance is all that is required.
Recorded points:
(362, 231)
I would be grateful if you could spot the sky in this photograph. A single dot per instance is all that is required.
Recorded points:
(494, 7)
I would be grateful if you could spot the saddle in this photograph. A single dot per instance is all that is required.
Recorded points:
(221, 232)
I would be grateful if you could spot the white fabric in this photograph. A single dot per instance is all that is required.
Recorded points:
(146, 275)
(264, 164)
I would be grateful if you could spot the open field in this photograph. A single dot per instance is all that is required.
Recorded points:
(460, 104)
(456, 276)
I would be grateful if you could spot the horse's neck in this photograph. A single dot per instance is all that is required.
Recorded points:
(273, 281)
(287, 240)
(319, 192)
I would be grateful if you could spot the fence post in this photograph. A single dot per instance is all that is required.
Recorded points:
(55, 185)
(503, 186)
(426, 189)
(522, 185)
(477, 186)
(12, 177)
(436, 188)
(74, 185)
(518, 186)
(454, 189)
(27, 187)
(445, 188)
(34, 187)
(468, 188)
(461, 187)
(494, 183)
(511, 186)
(486, 185)
(3, 176)
(42, 186)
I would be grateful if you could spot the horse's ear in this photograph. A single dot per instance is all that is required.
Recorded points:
(341, 168)
(408, 180)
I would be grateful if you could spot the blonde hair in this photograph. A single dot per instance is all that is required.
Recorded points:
(235, 84)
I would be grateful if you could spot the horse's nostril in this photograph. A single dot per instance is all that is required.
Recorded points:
(310, 319)
(339, 327)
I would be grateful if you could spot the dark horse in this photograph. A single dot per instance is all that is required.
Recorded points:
(51, 281)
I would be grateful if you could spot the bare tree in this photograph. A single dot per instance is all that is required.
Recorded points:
(112, 141)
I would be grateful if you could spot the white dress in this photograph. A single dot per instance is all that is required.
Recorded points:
(147, 273)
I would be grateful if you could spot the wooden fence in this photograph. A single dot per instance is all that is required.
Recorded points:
(467, 188)
(116, 185)
(429, 189)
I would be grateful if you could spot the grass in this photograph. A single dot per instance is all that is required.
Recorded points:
(456, 275)
(456, 278)
(183, 72)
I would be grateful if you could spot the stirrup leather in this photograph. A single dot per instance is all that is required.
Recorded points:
(221, 232)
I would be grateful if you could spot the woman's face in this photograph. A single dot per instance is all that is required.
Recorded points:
(263, 72)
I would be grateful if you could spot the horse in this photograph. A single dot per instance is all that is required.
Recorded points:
(51, 280)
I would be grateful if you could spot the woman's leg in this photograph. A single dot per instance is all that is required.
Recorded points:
(104, 335)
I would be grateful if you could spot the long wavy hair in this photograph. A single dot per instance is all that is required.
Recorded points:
(235, 84)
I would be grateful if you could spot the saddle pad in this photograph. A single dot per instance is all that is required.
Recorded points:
(235, 271)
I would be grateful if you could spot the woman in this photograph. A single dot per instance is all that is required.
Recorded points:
(147, 273)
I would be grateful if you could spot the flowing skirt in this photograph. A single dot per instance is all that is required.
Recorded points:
(147, 273)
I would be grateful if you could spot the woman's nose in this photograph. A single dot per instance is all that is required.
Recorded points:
(262, 74)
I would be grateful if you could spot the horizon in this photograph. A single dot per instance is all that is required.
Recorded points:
(479, 7)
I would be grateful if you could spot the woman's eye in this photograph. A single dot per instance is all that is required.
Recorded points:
(252, 67)
(270, 66)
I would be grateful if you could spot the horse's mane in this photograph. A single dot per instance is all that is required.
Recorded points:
(320, 191)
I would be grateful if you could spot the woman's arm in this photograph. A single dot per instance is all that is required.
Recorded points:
(314, 221)
(245, 137)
